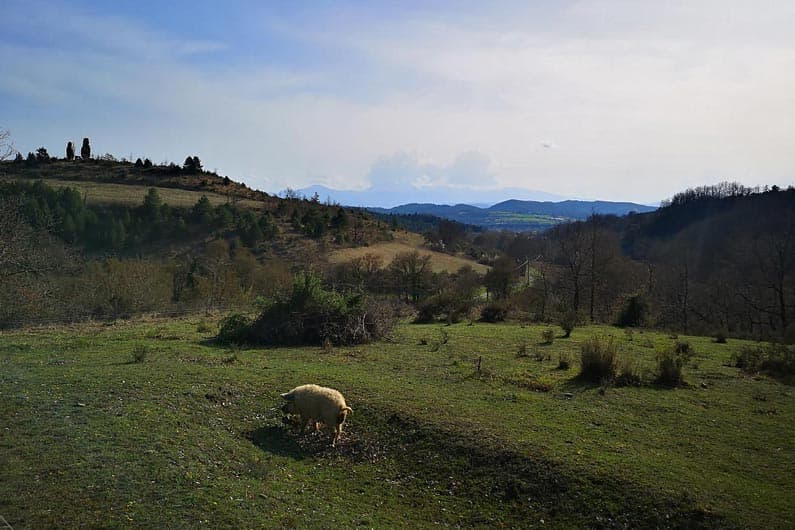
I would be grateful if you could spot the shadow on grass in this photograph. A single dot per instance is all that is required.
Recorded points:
(278, 441)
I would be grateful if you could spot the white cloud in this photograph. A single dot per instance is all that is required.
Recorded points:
(641, 99)
(402, 171)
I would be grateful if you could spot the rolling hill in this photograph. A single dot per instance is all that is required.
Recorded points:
(519, 215)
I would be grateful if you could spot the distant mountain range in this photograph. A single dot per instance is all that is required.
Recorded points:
(385, 197)
(518, 215)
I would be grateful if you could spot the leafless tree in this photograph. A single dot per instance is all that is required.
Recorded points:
(23, 249)
(6, 145)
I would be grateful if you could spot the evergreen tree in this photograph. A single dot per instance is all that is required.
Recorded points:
(85, 151)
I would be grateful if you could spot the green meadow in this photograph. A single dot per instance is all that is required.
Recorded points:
(149, 424)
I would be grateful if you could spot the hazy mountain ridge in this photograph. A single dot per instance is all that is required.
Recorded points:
(383, 197)
(518, 215)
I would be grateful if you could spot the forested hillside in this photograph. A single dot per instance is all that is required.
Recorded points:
(65, 257)
(717, 259)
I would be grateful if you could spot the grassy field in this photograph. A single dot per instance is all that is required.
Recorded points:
(191, 436)
(407, 242)
(132, 195)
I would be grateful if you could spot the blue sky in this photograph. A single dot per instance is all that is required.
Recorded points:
(607, 99)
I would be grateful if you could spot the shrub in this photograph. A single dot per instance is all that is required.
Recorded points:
(628, 374)
(634, 313)
(494, 312)
(548, 336)
(567, 321)
(598, 361)
(521, 351)
(683, 348)
(670, 362)
(564, 361)
(234, 329)
(203, 327)
(775, 359)
(311, 315)
(720, 338)
(139, 353)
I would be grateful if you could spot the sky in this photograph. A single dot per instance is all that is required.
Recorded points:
(598, 99)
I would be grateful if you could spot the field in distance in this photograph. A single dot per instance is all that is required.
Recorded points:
(133, 195)
(407, 242)
(148, 424)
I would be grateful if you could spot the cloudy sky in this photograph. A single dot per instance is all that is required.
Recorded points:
(603, 99)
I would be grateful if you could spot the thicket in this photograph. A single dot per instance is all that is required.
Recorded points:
(314, 315)
(774, 359)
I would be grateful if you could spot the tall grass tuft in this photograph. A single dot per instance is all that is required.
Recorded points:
(139, 353)
(670, 362)
(598, 360)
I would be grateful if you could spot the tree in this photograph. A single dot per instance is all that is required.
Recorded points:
(571, 254)
(152, 204)
(139, 163)
(6, 146)
(340, 221)
(192, 164)
(147, 163)
(42, 155)
(202, 212)
(70, 151)
(85, 150)
(411, 272)
(500, 277)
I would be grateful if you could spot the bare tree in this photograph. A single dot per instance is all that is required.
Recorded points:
(23, 249)
(6, 145)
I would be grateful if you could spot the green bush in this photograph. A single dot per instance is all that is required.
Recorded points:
(548, 336)
(775, 359)
(234, 329)
(598, 360)
(628, 373)
(312, 315)
(494, 312)
(670, 362)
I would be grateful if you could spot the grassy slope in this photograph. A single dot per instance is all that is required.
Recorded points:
(192, 437)
(133, 195)
(407, 242)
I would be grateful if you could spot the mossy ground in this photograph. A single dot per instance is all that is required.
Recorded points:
(192, 437)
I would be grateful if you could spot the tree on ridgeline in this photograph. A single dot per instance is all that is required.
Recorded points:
(42, 155)
(192, 164)
(70, 151)
(85, 150)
